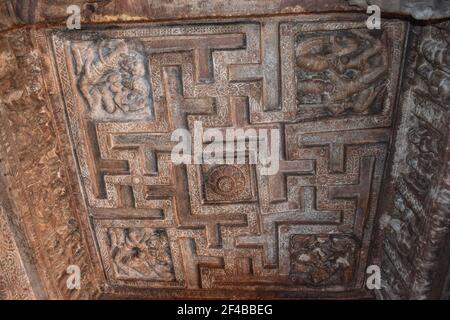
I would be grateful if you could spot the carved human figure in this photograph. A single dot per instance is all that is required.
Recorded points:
(321, 259)
(112, 77)
(344, 70)
(405, 227)
(140, 253)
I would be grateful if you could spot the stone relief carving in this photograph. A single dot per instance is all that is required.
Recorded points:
(27, 145)
(112, 77)
(14, 282)
(426, 144)
(435, 68)
(344, 70)
(406, 226)
(392, 284)
(229, 183)
(320, 259)
(340, 73)
(420, 171)
(140, 253)
(224, 229)
(227, 226)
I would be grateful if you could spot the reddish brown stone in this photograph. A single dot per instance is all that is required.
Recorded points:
(86, 118)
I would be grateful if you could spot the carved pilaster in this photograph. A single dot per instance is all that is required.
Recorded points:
(416, 224)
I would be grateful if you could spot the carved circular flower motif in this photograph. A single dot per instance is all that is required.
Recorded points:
(226, 180)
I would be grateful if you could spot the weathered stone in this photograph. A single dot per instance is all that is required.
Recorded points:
(86, 119)
(418, 9)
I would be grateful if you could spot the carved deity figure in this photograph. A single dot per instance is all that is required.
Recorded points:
(344, 71)
(318, 260)
(112, 76)
(140, 253)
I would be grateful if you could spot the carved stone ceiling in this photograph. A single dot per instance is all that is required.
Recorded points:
(216, 227)
(144, 226)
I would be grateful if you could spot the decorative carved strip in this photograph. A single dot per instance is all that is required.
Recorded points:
(417, 223)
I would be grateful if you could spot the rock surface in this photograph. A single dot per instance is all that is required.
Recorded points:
(86, 118)
(418, 9)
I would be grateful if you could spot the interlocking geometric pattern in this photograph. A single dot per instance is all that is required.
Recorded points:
(330, 88)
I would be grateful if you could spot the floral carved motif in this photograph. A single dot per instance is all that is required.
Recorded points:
(231, 183)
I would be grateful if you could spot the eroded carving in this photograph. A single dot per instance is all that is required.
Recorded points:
(322, 259)
(426, 147)
(230, 227)
(419, 9)
(417, 221)
(14, 282)
(435, 68)
(140, 253)
(112, 77)
(328, 84)
(343, 70)
(230, 183)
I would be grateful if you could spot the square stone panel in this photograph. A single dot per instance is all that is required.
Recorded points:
(227, 229)
(228, 183)
(137, 253)
(341, 72)
(322, 259)
(112, 77)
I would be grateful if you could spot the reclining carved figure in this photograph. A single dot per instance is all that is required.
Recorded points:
(345, 70)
